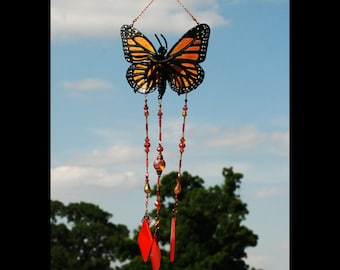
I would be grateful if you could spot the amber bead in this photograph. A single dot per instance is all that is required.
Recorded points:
(158, 204)
(184, 112)
(178, 188)
(147, 188)
(159, 164)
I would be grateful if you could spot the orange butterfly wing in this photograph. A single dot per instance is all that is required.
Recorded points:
(184, 72)
(142, 75)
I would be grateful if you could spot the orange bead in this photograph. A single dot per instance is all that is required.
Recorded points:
(158, 204)
(178, 188)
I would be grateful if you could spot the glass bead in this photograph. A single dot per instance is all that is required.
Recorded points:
(159, 164)
(158, 204)
(178, 188)
(181, 145)
(147, 145)
(147, 188)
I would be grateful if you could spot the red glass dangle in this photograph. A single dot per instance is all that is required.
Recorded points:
(172, 239)
(155, 255)
(145, 239)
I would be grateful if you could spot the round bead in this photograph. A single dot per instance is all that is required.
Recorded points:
(147, 145)
(159, 164)
(181, 145)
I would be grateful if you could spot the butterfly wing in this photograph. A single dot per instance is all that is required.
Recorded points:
(184, 74)
(143, 74)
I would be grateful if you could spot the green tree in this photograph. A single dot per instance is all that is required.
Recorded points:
(83, 238)
(209, 230)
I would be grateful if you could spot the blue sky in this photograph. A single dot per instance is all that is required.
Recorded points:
(238, 116)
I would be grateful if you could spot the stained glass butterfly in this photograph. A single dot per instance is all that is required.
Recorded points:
(151, 69)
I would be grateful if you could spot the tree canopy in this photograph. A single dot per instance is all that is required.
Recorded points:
(83, 238)
(210, 234)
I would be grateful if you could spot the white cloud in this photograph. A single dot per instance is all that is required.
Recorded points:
(267, 192)
(76, 176)
(239, 138)
(75, 19)
(85, 86)
(116, 155)
(115, 168)
(256, 261)
(248, 137)
(237, 2)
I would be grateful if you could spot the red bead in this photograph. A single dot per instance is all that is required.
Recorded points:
(181, 145)
(147, 145)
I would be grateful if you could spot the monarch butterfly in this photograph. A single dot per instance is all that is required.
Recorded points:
(150, 69)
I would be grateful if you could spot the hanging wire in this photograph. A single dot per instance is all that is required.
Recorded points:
(149, 4)
(141, 13)
(187, 11)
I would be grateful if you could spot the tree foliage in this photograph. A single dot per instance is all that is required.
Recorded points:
(209, 230)
(210, 234)
(83, 238)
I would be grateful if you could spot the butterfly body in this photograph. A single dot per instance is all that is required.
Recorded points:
(151, 69)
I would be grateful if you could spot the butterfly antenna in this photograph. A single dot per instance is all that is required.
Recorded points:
(162, 49)
(160, 44)
(166, 43)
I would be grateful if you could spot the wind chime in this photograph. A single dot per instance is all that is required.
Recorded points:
(151, 69)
